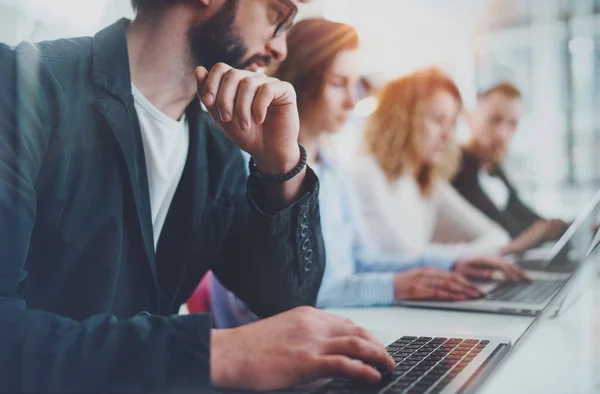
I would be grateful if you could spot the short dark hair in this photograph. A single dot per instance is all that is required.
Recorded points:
(506, 89)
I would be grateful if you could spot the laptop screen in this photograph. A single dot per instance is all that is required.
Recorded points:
(578, 245)
(573, 247)
(575, 243)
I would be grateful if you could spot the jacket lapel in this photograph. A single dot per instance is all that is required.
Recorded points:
(111, 74)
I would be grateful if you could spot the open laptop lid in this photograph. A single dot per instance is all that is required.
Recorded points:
(548, 311)
(577, 240)
(595, 241)
(574, 250)
(589, 229)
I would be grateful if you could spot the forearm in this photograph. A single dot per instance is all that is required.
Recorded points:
(46, 352)
(275, 262)
(491, 247)
(358, 290)
(526, 240)
(282, 194)
(373, 262)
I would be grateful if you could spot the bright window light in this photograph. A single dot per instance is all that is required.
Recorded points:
(581, 45)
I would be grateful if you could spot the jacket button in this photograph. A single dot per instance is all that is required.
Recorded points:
(308, 255)
(304, 221)
(305, 244)
(304, 208)
(308, 266)
(304, 231)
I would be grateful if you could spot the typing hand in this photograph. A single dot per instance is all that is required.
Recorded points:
(433, 284)
(294, 347)
(258, 113)
(488, 268)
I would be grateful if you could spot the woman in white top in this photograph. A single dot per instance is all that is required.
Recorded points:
(406, 201)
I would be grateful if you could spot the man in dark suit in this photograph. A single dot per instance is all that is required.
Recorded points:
(482, 180)
(118, 192)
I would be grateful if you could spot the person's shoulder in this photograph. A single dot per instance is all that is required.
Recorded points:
(7, 56)
(62, 62)
(332, 169)
(6, 50)
(330, 162)
(444, 192)
(371, 180)
(442, 187)
(63, 48)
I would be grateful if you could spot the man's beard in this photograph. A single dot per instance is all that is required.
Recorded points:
(216, 41)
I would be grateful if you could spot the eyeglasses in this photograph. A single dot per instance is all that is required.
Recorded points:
(286, 20)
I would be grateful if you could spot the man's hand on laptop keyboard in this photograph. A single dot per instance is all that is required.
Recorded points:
(433, 284)
(295, 347)
(488, 267)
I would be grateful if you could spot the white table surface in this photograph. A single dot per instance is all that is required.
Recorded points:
(561, 355)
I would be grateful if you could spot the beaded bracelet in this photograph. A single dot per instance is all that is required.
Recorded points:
(280, 178)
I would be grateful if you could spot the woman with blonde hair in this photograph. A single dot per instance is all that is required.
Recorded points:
(322, 67)
(403, 185)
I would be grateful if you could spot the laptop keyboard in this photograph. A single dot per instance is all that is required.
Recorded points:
(533, 292)
(423, 365)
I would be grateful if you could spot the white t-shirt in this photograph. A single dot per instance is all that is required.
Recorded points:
(495, 189)
(166, 142)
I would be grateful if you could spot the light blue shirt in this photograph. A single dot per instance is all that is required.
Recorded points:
(355, 275)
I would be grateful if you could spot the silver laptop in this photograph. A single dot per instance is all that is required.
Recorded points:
(424, 365)
(582, 277)
(446, 365)
(548, 268)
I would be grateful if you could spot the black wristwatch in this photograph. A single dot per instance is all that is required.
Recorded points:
(279, 178)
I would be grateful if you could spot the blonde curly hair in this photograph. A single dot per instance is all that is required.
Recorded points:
(392, 134)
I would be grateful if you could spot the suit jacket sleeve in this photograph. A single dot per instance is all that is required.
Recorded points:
(42, 351)
(273, 261)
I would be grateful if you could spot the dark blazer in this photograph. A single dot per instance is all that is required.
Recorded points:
(516, 218)
(86, 302)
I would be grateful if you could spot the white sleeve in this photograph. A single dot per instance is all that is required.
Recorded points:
(462, 228)
(376, 215)
(383, 225)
